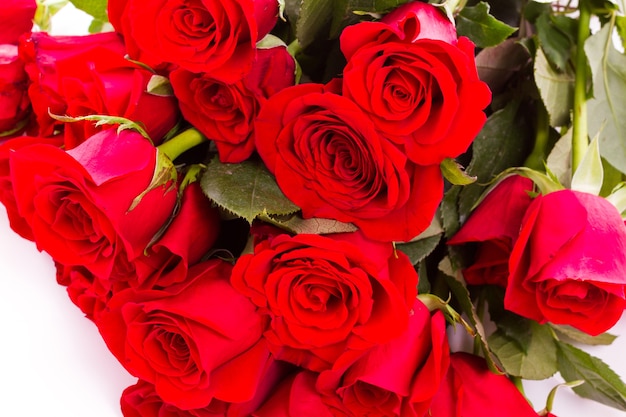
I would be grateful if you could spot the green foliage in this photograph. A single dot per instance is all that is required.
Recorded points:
(45, 10)
(159, 85)
(454, 173)
(418, 250)
(568, 333)
(606, 110)
(485, 30)
(101, 120)
(346, 12)
(246, 189)
(557, 36)
(502, 143)
(295, 224)
(589, 175)
(314, 19)
(556, 89)
(95, 8)
(531, 357)
(602, 384)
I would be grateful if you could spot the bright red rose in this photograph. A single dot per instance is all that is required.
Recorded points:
(470, 389)
(214, 36)
(568, 265)
(494, 226)
(83, 75)
(225, 112)
(196, 342)
(7, 196)
(399, 378)
(141, 400)
(77, 202)
(16, 18)
(416, 81)
(295, 397)
(88, 292)
(329, 160)
(327, 294)
(14, 102)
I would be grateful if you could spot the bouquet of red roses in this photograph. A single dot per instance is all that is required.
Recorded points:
(262, 204)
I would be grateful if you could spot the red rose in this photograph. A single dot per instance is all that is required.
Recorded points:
(470, 389)
(7, 196)
(77, 202)
(195, 342)
(568, 265)
(327, 294)
(225, 112)
(494, 225)
(140, 400)
(94, 78)
(417, 83)
(329, 160)
(295, 397)
(214, 36)
(14, 102)
(16, 18)
(399, 378)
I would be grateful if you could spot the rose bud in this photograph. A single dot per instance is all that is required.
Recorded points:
(416, 81)
(494, 227)
(77, 203)
(324, 295)
(568, 265)
(216, 37)
(85, 75)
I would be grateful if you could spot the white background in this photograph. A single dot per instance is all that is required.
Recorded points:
(53, 362)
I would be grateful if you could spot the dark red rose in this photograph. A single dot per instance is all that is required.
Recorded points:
(225, 112)
(214, 36)
(568, 265)
(16, 18)
(77, 202)
(7, 196)
(327, 294)
(470, 389)
(295, 397)
(196, 342)
(494, 225)
(416, 81)
(329, 159)
(399, 378)
(78, 76)
(14, 102)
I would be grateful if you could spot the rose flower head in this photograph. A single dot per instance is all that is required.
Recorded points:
(568, 265)
(329, 159)
(417, 82)
(14, 102)
(325, 295)
(213, 36)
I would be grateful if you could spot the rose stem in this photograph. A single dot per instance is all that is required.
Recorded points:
(580, 140)
(182, 142)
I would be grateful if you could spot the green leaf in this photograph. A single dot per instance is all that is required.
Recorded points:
(618, 198)
(559, 161)
(620, 24)
(453, 172)
(346, 12)
(556, 36)
(502, 143)
(45, 10)
(419, 249)
(606, 110)
(95, 8)
(556, 89)
(602, 384)
(101, 120)
(497, 64)
(314, 21)
(296, 224)
(159, 85)
(536, 360)
(164, 173)
(571, 334)
(450, 211)
(246, 189)
(589, 175)
(477, 24)
(459, 288)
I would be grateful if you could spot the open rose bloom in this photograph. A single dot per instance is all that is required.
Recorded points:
(299, 209)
